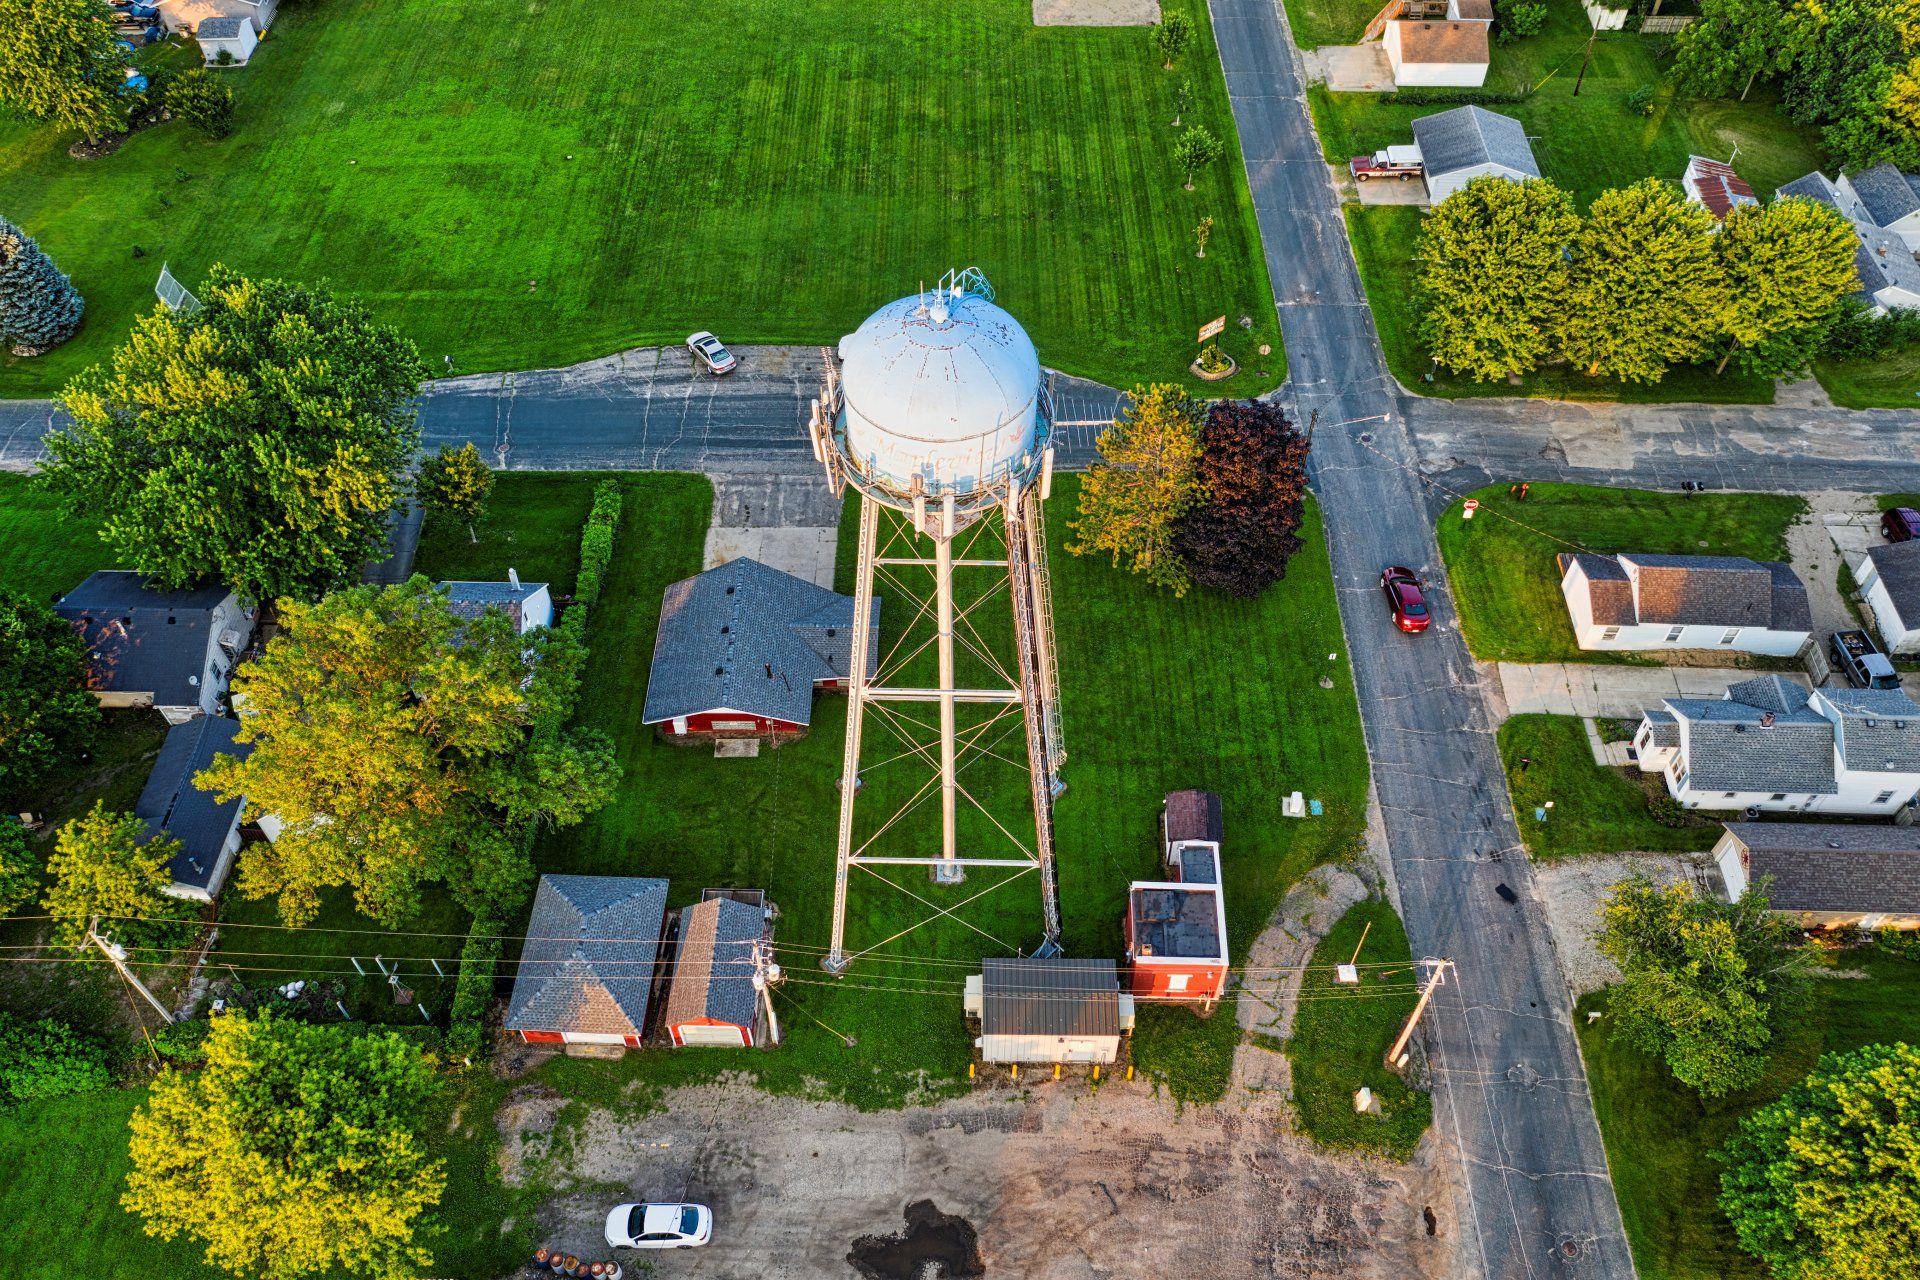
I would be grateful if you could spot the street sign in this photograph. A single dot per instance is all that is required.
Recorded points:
(1213, 328)
(1471, 505)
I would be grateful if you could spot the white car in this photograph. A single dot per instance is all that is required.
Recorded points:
(659, 1226)
(711, 352)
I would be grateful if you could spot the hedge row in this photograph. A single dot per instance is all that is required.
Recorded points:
(1452, 97)
(562, 661)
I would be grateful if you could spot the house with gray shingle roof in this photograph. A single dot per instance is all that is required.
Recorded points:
(741, 650)
(527, 604)
(1634, 602)
(1770, 744)
(1856, 875)
(1465, 143)
(1883, 205)
(148, 646)
(713, 1000)
(207, 827)
(586, 974)
(1889, 580)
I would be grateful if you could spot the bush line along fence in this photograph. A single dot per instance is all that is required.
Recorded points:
(480, 956)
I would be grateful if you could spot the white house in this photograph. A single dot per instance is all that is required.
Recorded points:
(1034, 1010)
(529, 604)
(1890, 581)
(207, 828)
(1471, 142)
(1715, 187)
(1887, 225)
(231, 35)
(1827, 875)
(149, 647)
(1633, 602)
(1428, 54)
(1771, 745)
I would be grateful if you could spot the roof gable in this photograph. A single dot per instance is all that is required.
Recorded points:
(171, 805)
(1724, 591)
(714, 967)
(592, 948)
(1887, 194)
(1467, 137)
(1453, 44)
(1056, 997)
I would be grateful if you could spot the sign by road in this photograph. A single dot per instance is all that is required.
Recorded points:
(1213, 329)
(1471, 505)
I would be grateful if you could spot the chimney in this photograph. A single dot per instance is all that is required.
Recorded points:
(513, 576)
(1766, 720)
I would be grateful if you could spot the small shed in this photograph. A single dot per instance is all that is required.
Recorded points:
(528, 604)
(1056, 1010)
(230, 35)
(713, 999)
(1472, 142)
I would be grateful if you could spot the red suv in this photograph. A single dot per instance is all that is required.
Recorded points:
(1900, 524)
(1405, 599)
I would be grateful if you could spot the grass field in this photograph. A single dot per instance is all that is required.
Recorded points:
(1659, 1134)
(1506, 581)
(1159, 694)
(1586, 144)
(1340, 1034)
(1318, 22)
(1596, 809)
(526, 198)
(43, 550)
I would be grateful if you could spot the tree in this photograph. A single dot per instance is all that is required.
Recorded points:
(1705, 984)
(203, 100)
(39, 307)
(1787, 268)
(1644, 289)
(1825, 1183)
(1734, 43)
(1518, 19)
(260, 440)
(1492, 280)
(1253, 469)
(18, 884)
(104, 865)
(1195, 149)
(46, 713)
(1147, 478)
(1171, 36)
(455, 483)
(390, 740)
(294, 1151)
(61, 62)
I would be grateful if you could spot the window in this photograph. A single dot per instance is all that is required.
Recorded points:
(1673, 633)
(1611, 633)
(728, 726)
(1729, 795)
(1883, 797)
(1176, 982)
(1729, 635)
(1778, 795)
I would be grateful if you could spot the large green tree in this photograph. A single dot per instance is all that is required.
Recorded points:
(61, 62)
(1825, 1183)
(1645, 291)
(1705, 984)
(1736, 42)
(260, 440)
(1146, 479)
(18, 881)
(455, 483)
(1787, 266)
(390, 741)
(1492, 280)
(46, 714)
(296, 1150)
(105, 864)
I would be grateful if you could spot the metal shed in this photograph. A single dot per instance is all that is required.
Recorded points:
(233, 36)
(1033, 1010)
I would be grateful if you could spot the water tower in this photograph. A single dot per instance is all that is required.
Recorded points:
(938, 414)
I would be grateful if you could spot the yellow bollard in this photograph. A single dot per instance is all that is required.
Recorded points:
(1016, 1071)
(969, 1071)
(1096, 1073)
(1129, 1071)
(1056, 1071)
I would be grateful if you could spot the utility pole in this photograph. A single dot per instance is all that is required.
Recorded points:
(1593, 30)
(118, 954)
(1438, 975)
(765, 974)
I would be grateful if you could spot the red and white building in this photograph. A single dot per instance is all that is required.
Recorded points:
(714, 999)
(742, 649)
(591, 961)
(1177, 927)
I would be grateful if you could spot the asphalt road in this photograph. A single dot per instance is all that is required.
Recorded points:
(1510, 1090)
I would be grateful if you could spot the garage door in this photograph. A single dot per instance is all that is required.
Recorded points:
(727, 1037)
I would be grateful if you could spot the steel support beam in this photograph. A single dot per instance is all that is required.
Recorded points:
(836, 958)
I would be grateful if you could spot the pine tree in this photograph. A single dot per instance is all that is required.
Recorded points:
(39, 307)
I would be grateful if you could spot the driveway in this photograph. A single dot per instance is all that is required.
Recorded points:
(1602, 689)
(1511, 1093)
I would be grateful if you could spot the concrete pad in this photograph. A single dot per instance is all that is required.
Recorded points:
(1591, 689)
(1399, 191)
(1095, 13)
(804, 553)
(1350, 68)
(789, 523)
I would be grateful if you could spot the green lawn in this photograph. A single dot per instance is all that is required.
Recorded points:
(1158, 694)
(43, 550)
(1506, 582)
(1585, 144)
(1659, 1134)
(1341, 1036)
(1318, 22)
(1596, 809)
(1892, 383)
(524, 197)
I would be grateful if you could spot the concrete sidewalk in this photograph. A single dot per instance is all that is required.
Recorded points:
(1601, 689)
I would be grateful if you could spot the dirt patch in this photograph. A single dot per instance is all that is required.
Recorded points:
(1817, 560)
(934, 1243)
(1572, 891)
(1095, 13)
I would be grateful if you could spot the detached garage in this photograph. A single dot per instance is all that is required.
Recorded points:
(714, 1000)
(587, 971)
(1472, 142)
(1033, 1010)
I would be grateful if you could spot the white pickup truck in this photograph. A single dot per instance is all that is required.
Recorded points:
(1394, 162)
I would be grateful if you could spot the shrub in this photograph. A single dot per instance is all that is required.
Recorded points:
(1665, 810)
(1858, 334)
(1519, 19)
(1452, 97)
(18, 883)
(48, 1059)
(203, 100)
(1902, 944)
(1640, 101)
(473, 989)
(182, 1041)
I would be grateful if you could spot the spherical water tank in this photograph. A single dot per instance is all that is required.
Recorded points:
(941, 393)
